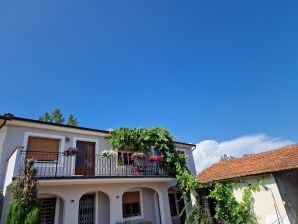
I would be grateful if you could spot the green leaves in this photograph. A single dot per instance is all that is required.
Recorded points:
(228, 209)
(142, 139)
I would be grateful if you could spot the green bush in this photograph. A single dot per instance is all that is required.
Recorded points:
(33, 217)
(16, 213)
(24, 208)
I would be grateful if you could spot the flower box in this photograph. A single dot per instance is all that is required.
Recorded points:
(109, 154)
(155, 158)
(71, 151)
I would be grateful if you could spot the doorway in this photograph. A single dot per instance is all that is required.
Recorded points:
(85, 159)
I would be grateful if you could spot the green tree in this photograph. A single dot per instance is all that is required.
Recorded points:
(72, 121)
(24, 208)
(46, 117)
(57, 117)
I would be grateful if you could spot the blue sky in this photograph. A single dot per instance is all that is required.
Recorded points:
(203, 69)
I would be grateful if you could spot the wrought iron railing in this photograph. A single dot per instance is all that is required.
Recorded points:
(61, 165)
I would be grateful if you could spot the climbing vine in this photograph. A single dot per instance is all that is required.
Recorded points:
(143, 139)
(228, 209)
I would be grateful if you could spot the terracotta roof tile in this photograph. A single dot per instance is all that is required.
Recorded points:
(266, 162)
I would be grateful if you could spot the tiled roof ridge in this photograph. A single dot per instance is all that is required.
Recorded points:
(269, 151)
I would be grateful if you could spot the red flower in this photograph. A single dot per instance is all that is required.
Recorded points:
(137, 155)
(155, 158)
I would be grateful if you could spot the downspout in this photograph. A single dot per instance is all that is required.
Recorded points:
(5, 118)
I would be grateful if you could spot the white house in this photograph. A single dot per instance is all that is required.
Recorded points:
(87, 188)
(277, 200)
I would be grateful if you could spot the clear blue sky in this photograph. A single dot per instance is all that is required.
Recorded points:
(203, 69)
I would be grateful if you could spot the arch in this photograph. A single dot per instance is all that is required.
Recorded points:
(93, 190)
(149, 187)
(51, 202)
(94, 207)
(51, 193)
(149, 204)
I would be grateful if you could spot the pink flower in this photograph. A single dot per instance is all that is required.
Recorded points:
(137, 155)
(155, 158)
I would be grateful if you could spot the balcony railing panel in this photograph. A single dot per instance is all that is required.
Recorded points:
(60, 165)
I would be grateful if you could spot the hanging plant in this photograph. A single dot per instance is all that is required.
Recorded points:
(71, 151)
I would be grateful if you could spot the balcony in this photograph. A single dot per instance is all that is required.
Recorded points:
(59, 165)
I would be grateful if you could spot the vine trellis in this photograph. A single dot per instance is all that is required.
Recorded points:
(143, 139)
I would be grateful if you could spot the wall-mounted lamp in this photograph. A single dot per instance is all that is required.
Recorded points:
(67, 139)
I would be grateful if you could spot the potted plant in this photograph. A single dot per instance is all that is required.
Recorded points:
(71, 151)
(138, 158)
(109, 154)
(137, 155)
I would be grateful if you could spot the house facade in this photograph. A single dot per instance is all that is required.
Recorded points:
(86, 187)
(277, 173)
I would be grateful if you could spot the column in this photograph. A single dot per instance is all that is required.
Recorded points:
(71, 211)
(116, 214)
(165, 212)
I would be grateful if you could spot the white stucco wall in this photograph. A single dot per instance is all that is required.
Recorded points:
(17, 136)
(112, 205)
(190, 160)
(263, 200)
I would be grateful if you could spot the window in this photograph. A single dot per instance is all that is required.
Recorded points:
(173, 206)
(131, 204)
(87, 209)
(48, 208)
(124, 158)
(45, 149)
(176, 203)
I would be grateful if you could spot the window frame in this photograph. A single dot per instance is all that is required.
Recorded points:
(122, 157)
(176, 203)
(49, 136)
(140, 204)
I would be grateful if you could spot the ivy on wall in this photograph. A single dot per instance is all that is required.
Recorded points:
(228, 209)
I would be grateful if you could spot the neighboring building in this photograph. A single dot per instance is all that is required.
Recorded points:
(87, 188)
(277, 201)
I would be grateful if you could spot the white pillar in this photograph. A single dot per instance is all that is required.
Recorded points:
(116, 214)
(71, 210)
(165, 212)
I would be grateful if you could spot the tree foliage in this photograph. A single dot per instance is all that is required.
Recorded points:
(57, 117)
(24, 208)
(195, 216)
(228, 210)
(72, 121)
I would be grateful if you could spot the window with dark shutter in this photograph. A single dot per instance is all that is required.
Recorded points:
(45, 149)
(131, 204)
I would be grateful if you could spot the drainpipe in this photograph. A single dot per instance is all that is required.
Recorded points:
(5, 117)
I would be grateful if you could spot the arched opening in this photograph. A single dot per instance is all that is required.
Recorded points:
(94, 208)
(51, 206)
(177, 205)
(141, 205)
